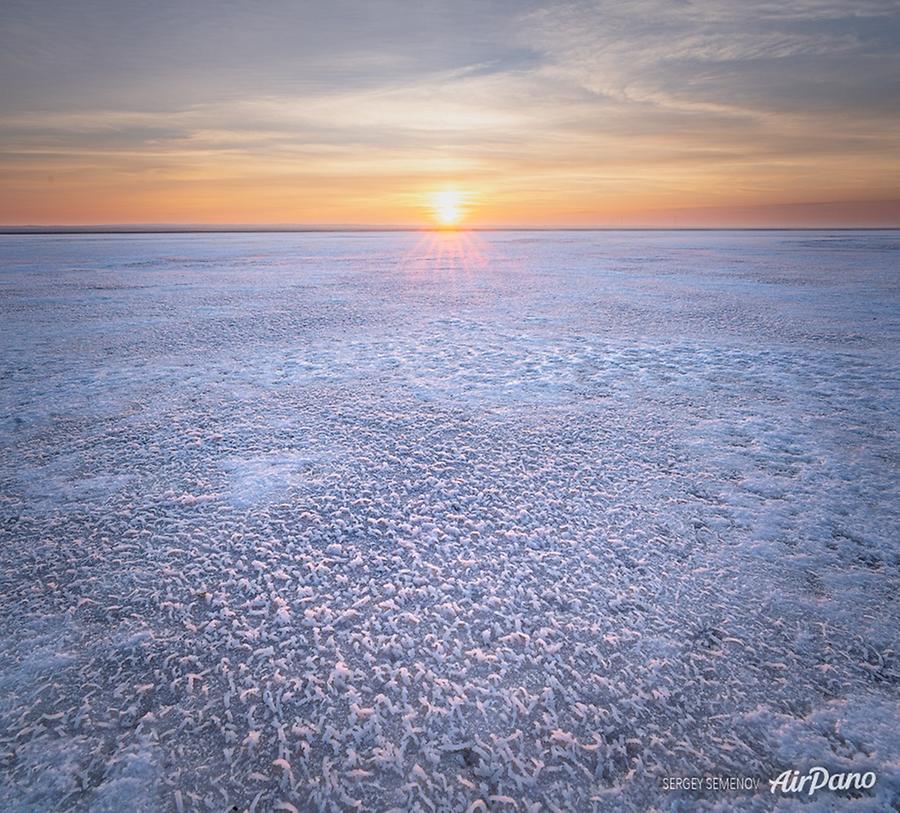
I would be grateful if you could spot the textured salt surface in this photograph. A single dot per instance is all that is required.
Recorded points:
(507, 521)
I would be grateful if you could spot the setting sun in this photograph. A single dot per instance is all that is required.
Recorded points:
(447, 207)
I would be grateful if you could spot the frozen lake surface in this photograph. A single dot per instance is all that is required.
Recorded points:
(485, 522)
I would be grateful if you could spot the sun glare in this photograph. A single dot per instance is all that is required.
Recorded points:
(447, 207)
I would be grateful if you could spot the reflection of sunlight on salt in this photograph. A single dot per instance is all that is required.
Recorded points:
(445, 251)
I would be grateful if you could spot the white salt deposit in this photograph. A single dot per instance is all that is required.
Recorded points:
(486, 522)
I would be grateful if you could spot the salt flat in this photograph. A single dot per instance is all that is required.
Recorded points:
(478, 521)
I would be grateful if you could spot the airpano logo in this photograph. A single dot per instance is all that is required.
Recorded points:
(819, 778)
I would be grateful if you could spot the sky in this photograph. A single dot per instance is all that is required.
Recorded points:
(377, 112)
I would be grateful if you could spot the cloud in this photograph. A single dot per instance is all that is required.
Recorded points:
(554, 111)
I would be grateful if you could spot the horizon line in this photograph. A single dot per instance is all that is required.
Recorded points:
(113, 228)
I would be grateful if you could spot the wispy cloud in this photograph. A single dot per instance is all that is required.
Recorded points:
(569, 112)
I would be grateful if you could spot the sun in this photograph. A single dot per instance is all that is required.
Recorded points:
(447, 208)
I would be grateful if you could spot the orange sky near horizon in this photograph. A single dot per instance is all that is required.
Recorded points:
(563, 114)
